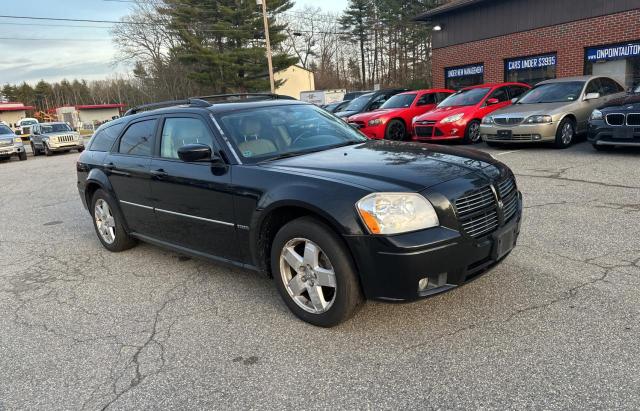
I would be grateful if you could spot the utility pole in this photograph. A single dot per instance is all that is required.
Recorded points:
(266, 36)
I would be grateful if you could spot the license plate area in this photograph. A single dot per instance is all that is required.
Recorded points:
(506, 134)
(503, 242)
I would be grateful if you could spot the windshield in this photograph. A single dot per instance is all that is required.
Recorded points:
(553, 93)
(5, 130)
(359, 103)
(282, 131)
(28, 122)
(468, 97)
(400, 101)
(55, 128)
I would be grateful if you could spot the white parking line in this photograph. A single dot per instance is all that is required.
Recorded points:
(506, 152)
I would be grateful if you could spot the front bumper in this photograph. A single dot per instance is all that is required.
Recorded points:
(603, 134)
(523, 133)
(72, 145)
(391, 267)
(9, 151)
(425, 130)
(374, 132)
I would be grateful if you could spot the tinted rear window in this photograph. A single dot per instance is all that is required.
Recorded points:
(104, 138)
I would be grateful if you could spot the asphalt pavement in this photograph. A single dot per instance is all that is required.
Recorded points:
(556, 326)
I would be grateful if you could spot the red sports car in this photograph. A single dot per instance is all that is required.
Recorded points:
(459, 116)
(392, 120)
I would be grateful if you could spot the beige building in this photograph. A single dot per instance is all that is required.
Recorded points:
(296, 79)
(11, 113)
(88, 116)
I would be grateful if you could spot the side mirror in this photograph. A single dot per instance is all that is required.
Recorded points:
(592, 96)
(513, 100)
(194, 152)
(492, 101)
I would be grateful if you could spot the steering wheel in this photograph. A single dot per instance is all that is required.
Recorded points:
(303, 136)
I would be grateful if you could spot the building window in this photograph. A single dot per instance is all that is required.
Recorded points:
(531, 69)
(621, 62)
(464, 76)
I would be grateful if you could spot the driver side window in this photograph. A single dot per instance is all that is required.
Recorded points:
(500, 94)
(377, 102)
(593, 87)
(426, 99)
(178, 132)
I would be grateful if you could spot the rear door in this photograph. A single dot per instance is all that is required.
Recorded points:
(127, 167)
(194, 202)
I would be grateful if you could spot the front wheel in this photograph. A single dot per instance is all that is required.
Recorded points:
(396, 130)
(314, 273)
(565, 133)
(47, 150)
(472, 132)
(22, 156)
(108, 223)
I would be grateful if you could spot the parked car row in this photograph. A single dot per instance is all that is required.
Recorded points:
(46, 138)
(553, 111)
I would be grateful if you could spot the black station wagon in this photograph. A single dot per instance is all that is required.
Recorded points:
(287, 189)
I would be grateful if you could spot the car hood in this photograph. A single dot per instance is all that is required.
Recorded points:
(526, 110)
(382, 165)
(59, 133)
(438, 113)
(629, 102)
(375, 114)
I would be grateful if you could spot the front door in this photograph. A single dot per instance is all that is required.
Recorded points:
(127, 167)
(194, 205)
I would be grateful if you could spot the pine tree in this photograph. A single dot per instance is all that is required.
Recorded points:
(223, 42)
(357, 20)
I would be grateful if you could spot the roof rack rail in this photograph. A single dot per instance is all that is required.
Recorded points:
(248, 96)
(194, 102)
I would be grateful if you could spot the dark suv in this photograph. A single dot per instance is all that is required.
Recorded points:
(285, 188)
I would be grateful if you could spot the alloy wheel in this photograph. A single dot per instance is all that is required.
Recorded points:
(474, 132)
(307, 275)
(105, 221)
(396, 132)
(567, 133)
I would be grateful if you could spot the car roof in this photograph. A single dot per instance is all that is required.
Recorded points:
(493, 85)
(566, 79)
(51, 123)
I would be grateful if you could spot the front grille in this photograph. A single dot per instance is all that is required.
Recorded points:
(513, 137)
(508, 121)
(426, 122)
(509, 197)
(5, 143)
(424, 131)
(633, 119)
(65, 139)
(615, 119)
(477, 212)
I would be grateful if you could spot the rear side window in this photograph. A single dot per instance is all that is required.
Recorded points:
(138, 139)
(104, 138)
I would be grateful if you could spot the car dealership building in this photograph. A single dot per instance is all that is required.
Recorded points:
(486, 41)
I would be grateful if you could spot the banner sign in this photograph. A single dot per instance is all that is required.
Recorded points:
(613, 52)
(463, 71)
(534, 62)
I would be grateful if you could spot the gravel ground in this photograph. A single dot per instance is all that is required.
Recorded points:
(555, 326)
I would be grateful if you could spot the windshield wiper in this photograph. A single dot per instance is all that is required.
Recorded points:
(313, 150)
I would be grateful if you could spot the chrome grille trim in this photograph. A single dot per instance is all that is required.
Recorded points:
(633, 119)
(482, 224)
(505, 187)
(508, 121)
(6, 143)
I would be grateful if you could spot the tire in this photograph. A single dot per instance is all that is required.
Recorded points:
(22, 156)
(564, 140)
(310, 241)
(81, 149)
(472, 132)
(34, 150)
(603, 148)
(110, 221)
(396, 131)
(47, 150)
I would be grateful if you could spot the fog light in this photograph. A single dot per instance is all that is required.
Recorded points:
(423, 284)
(537, 137)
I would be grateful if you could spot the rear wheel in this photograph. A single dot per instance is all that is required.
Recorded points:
(34, 150)
(396, 130)
(314, 274)
(565, 133)
(472, 132)
(108, 223)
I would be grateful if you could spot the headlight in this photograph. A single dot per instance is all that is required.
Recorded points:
(375, 122)
(17, 140)
(538, 119)
(596, 115)
(452, 118)
(487, 120)
(393, 213)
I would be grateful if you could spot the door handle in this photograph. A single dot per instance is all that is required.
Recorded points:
(111, 168)
(160, 173)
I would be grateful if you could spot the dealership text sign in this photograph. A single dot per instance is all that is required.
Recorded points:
(531, 62)
(613, 52)
(465, 71)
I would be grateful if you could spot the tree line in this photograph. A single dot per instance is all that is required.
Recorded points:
(181, 48)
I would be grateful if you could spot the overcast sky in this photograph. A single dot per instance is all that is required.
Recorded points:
(70, 52)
